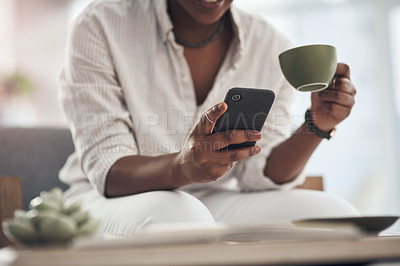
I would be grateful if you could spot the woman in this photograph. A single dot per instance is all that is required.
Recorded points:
(137, 87)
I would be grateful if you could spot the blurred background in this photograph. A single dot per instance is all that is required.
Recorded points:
(360, 163)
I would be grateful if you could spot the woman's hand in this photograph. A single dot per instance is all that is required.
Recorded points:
(332, 105)
(201, 160)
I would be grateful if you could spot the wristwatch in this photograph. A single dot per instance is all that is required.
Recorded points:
(312, 128)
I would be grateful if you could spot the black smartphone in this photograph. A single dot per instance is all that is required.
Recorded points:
(248, 109)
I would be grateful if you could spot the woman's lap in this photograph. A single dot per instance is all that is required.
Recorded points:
(126, 215)
(235, 207)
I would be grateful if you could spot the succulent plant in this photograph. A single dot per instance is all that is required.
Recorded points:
(49, 221)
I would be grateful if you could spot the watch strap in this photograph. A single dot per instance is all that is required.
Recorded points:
(312, 128)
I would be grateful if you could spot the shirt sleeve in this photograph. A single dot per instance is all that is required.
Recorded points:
(93, 102)
(250, 172)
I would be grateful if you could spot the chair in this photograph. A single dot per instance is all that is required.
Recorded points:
(30, 159)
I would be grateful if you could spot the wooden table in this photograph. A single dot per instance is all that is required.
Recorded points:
(256, 253)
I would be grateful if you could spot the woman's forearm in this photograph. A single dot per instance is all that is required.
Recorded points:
(289, 158)
(135, 174)
(199, 161)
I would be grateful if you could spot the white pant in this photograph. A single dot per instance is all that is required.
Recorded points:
(125, 215)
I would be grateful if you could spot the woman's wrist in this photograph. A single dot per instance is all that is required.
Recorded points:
(315, 128)
(320, 122)
(179, 171)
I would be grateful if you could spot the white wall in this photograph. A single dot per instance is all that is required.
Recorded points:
(41, 28)
(361, 162)
(7, 62)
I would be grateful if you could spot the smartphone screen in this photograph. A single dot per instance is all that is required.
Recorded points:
(248, 109)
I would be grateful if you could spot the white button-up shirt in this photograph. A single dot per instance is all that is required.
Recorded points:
(126, 89)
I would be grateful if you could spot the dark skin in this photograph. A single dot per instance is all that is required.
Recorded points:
(330, 107)
(200, 161)
(205, 62)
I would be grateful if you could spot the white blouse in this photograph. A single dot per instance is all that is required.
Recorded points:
(126, 89)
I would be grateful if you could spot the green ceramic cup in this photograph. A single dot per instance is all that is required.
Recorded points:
(310, 67)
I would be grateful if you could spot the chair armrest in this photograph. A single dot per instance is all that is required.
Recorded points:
(10, 200)
(313, 182)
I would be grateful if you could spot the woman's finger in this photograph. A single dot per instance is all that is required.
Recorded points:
(226, 156)
(337, 96)
(230, 156)
(207, 121)
(343, 70)
(338, 111)
(342, 84)
(222, 139)
(345, 85)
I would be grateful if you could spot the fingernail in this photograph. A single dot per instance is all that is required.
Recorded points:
(257, 149)
(219, 106)
(256, 133)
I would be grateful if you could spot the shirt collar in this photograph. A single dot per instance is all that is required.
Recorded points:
(164, 22)
(166, 27)
(237, 29)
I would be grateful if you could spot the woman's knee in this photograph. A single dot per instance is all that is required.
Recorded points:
(176, 206)
(315, 204)
(126, 215)
(277, 205)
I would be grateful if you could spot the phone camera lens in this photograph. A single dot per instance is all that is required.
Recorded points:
(236, 97)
